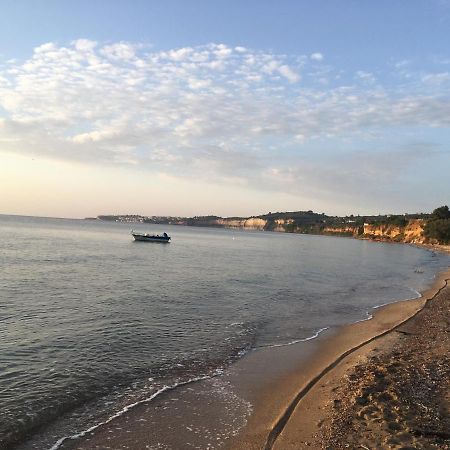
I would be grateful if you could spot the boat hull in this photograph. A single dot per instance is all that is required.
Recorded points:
(143, 238)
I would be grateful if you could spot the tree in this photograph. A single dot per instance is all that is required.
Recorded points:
(441, 213)
(438, 227)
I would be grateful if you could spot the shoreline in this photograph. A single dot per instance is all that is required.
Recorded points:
(330, 350)
(303, 419)
(306, 415)
(268, 389)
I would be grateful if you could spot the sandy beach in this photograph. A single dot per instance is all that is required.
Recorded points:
(375, 384)
(391, 393)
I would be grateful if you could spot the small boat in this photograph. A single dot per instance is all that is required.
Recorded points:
(145, 237)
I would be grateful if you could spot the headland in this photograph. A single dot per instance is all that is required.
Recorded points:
(418, 228)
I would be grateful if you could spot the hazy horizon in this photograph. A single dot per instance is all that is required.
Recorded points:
(393, 213)
(248, 108)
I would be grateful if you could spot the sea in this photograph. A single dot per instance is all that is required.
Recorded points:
(93, 323)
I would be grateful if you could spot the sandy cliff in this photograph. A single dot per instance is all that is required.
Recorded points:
(280, 224)
(348, 230)
(412, 232)
(252, 223)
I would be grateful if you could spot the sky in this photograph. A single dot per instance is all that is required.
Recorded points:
(231, 108)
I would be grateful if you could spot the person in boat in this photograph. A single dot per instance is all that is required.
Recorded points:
(165, 235)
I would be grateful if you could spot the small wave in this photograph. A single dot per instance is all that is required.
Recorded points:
(369, 317)
(235, 324)
(418, 295)
(296, 341)
(127, 408)
(381, 305)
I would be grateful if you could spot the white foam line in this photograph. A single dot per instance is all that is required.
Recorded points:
(418, 295)
(58, 443)
(369, 317)
(309, 338)
(380, 306)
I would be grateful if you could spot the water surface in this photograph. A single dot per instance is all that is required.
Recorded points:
(91, 321)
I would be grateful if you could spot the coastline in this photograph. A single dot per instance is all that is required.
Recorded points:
(322, 408)
(282, 397)
(269, 379)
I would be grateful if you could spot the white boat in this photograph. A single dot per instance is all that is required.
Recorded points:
(145, 237)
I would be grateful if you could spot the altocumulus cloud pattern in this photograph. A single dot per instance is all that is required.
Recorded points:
(231, 113)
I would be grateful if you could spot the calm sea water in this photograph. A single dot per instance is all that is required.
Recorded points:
(91, 321)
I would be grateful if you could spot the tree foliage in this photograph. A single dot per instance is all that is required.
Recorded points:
(438, 227)
(440, 213)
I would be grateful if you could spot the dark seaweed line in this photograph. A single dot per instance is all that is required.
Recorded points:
(283, 420)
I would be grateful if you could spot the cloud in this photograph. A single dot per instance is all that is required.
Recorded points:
(436, 78)
(289, 74)
(179, 54)
(121, 51)
(316, 57)
(363, 178)
(366, 77)
(209, 111)
(403, 63)
(84, 45)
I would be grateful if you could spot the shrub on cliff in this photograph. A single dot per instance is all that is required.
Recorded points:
(441, 213)
(397, 221)
(438, 227)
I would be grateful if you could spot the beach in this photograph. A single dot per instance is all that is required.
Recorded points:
(377, 383)
(391, 393)
(218, 356)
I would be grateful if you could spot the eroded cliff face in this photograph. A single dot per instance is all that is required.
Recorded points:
(252, 223)
(412, 232)
(280, 224)
(381, 231)
(255, 223)
(346, 230)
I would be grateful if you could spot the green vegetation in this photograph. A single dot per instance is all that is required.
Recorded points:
(397, 221)
(202, 221)
(299, 221)
(438, 226)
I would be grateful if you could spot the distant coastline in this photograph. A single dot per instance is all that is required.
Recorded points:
(418, 228)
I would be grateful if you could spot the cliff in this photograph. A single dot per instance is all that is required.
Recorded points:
(414, 232)
(345, 230)
(411, 232)
(252, 223)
